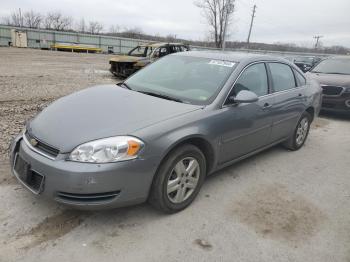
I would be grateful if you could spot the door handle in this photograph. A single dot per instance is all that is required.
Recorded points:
(266, 106)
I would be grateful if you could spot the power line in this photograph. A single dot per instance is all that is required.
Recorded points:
(251, 24)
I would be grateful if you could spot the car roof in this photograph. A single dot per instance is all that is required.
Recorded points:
(231, 56)
(340, 57)
(161, 44)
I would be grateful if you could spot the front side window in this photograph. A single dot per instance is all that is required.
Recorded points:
(282, 77)
(163, 51)
(141, 51)
(254, 79)
(192, 80)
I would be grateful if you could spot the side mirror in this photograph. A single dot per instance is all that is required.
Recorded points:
(245, 96)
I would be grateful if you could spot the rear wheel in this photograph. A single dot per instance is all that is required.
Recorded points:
(178, 179)
(301, 132)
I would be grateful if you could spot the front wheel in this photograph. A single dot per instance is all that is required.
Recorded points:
(301, 132)
(178, 179)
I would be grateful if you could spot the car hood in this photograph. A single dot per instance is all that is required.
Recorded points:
(99, 112)
(331, 79)
(127, 58)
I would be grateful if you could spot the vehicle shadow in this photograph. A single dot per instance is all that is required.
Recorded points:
(334, 115)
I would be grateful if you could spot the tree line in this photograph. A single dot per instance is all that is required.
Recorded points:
(218, 14)
(51, 21)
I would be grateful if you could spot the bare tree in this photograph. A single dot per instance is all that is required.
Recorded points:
(81, 26)
(114, 29)
(218, 14)
(6, 20)
(170, 38)
(14, 19)
(95, 27)
(135, 32)
(32, 19)
(58, 21)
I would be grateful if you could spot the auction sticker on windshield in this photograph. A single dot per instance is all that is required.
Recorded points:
(221, 63)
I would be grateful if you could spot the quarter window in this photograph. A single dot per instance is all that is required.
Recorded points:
(254, 79)
(282, 77)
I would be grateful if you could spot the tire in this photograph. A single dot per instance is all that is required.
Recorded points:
(295, 142)
(174, 174)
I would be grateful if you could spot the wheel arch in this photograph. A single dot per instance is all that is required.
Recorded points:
(311, 111)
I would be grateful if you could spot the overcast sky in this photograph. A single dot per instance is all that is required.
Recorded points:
(284, 21)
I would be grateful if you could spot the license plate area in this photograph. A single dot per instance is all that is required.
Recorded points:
(29, 178)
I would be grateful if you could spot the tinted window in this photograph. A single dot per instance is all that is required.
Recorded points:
(163, 51)
(174, 49)
(300, 79)
(254, 79)
(282, 76)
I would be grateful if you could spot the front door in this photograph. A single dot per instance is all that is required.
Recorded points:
(247, 126)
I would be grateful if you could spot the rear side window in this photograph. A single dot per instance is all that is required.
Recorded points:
(282, 76)
(301, 81)
(254, 79)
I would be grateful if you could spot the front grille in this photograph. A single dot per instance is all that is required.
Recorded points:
(35, 180)
(122, 68)
(29, 177)
(78, 198)
(328, 105)
(332, 90)
(41, 146)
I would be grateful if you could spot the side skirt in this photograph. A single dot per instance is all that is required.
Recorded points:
(226, 164)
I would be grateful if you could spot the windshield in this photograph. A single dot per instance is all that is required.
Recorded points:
(192, 80)
(141, 51)
(333, 66)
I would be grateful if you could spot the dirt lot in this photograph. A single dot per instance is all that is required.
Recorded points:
(276, 206)
(30, 79)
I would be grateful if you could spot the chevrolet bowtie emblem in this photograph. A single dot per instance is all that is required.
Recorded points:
(33, 142)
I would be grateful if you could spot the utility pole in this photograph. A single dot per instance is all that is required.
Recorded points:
(251, 25)
(317, 37)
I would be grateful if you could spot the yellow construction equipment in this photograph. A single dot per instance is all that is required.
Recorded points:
(76, 48)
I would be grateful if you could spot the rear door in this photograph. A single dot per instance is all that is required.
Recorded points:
(247, 126)
(288, 100)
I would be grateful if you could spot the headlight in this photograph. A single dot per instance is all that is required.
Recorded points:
(112, 149)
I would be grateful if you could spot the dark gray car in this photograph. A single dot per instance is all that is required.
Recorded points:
(334, 76)
(157, 135)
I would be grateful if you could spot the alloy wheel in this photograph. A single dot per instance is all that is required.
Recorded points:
(183, 180)
(302, 130)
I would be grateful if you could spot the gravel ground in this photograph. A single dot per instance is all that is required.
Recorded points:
(30, 79)
(275, 206)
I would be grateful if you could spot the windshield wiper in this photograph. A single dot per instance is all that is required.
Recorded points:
(161, 96)
(124, 85)
(335, 73)
(330, 73)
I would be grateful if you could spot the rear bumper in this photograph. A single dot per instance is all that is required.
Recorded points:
(86, 185)
(337, 103)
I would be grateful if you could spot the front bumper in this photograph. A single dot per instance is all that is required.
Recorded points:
(339, 104)
(87, 185)
(122, 69)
